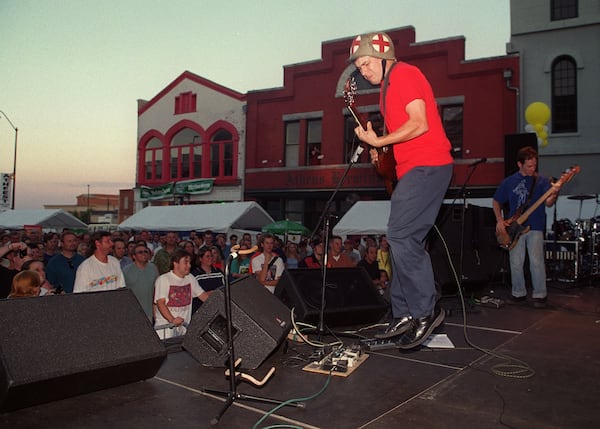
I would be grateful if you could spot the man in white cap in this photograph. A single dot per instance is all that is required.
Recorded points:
(423, 170)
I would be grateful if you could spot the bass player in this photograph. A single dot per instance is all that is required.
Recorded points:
(423, 170)
(518, 191)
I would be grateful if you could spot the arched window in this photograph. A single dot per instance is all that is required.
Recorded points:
(185, 155)
(221, 154)
(153, 159)
(564, 95)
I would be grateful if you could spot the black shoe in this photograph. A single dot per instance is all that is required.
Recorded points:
(539, 302)
(518, 299)
(395, 327)
(421, 329)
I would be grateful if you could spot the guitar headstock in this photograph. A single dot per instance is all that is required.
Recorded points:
(350, 88)
(568, 174)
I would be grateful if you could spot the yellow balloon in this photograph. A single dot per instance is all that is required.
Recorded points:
(537, 113)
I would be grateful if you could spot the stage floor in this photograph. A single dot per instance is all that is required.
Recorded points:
(460, 387)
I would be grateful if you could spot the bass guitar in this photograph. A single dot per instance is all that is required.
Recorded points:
(514, 226)
(385, 165)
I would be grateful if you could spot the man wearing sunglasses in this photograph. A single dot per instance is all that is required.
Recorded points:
(140, 277)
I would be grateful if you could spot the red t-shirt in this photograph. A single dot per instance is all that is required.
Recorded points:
(407, 83)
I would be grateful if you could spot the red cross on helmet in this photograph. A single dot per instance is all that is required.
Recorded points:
(378, 45)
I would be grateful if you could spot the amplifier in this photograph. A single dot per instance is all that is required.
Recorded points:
(563, 260)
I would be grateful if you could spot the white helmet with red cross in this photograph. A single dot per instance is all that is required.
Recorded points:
(378, 45)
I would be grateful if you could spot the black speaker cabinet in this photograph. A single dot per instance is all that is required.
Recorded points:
(472, 244)
(260, 323)
(350, 296)
(54, 347)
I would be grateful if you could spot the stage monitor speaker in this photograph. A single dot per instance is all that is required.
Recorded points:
(350, 296)
(260, 323)
(58, 346)
(512, 144)
(481, 258)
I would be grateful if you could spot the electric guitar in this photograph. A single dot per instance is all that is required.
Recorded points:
(385, 165)
(514, 226)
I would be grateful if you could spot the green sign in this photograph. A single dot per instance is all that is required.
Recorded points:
(198, 186)
(188, 187)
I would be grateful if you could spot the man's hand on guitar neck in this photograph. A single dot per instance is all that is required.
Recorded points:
(554, 195)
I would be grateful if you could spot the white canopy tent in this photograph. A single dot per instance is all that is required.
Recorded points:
(219, 218)
(54, 219)
(371, 217)
(364, 218)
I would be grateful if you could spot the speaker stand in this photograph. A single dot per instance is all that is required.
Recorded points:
(235, 376)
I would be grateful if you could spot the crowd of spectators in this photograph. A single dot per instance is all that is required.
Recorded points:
(36, 264)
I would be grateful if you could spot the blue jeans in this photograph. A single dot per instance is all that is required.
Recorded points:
(414, 207)
(533, 242)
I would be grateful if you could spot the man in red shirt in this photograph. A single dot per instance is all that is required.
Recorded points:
(423, 170)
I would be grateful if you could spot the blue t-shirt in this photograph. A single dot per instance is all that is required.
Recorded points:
(514, 190)
(61, 271)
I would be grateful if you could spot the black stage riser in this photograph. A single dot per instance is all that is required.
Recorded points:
(54, 347)
(260, 323)
(350, 296)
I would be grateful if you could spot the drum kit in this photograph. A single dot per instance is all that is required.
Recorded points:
(584, 238)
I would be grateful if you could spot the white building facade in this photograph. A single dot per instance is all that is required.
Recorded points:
(190, 144)
(558, 42)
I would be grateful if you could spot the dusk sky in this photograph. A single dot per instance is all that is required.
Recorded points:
(71, 71)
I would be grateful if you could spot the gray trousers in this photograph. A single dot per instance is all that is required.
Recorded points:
(414, 207)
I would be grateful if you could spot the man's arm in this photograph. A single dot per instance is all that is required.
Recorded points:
(415, 125)
(500, 223)
(161, 304)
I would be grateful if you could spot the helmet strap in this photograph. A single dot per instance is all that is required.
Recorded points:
(383, 62)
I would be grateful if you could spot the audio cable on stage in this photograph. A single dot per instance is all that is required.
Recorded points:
(510, 367)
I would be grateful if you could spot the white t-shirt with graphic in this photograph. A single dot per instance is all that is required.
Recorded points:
(94, 275)
(275, 270)
(177, 293)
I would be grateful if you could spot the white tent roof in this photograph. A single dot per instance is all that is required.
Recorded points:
(46, 218)
(371, 217)
(364, 217)
(220, 218)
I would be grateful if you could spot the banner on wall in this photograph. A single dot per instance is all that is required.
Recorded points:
(6, 191)
(187, 187)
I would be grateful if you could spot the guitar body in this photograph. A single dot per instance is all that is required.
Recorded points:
(385, 166)
(508, 239)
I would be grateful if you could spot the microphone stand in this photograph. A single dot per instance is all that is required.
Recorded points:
(462, 192)
(327, 216)
(235, 376)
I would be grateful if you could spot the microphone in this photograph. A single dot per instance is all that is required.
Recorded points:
(479, 161)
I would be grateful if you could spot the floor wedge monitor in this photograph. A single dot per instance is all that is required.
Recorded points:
(53, 347)
(260, 324)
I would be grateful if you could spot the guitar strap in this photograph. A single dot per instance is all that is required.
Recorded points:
(386, 82)
(528, 202)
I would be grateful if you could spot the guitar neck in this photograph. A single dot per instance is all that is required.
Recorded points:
(523, 218)
(357, 117)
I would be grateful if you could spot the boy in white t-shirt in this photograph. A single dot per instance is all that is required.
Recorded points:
(173, 293)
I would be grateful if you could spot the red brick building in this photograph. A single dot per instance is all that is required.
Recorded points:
(286, 127)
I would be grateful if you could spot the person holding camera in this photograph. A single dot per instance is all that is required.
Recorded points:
(15, 255)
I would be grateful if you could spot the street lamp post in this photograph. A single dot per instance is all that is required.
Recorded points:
(88, 206)
(14, 175)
